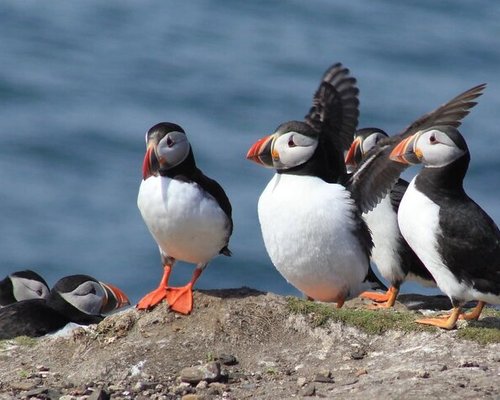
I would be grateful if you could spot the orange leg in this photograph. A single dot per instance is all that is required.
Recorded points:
(180, 299)
(448, 323)
(157, 295)
(475, 313)
(340, 302)
(387, 299)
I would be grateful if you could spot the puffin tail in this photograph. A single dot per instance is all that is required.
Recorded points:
(225, 251)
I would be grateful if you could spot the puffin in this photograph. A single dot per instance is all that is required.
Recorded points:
(393, 257)
(75, 298)
(310, 222)
(455, 238)
(22, 285)
(369, 151)
(188, 214)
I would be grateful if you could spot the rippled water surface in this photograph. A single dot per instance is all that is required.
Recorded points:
(81, 82)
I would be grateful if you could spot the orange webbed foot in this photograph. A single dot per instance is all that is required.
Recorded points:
(474, 314)
(152, 299)
(445, 322)
(386, 299)
(180, 299)
(156, 296)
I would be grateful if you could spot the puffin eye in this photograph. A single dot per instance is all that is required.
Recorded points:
(291, 143)
(170, 142)
(432, 139)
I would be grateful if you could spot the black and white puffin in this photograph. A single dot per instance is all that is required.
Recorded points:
(369, 154)
(75, 298)
(22, 285)
(311, 225)
(187, 213)
(393, 257)
(456, 240)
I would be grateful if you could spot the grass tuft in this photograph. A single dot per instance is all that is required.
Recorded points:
(377, 322)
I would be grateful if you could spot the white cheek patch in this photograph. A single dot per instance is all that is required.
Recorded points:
(175, 153)
(25, 289)
(88, 303)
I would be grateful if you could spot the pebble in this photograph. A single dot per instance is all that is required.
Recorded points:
(227, 359)
(358, 354)
(361, 372)
(324, 376)
(301, 381)
(423, 374)
(36, 392)
(99, 394)
(23, 385)
(308, 390)
(202, 385)
(182, 388)
(209, 372)
(190, 397)
(468, 364)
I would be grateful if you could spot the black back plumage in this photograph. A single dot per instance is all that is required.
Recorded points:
(469, 240)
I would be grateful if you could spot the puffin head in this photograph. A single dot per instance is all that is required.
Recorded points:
(166, 147)
(435, 147)
(23, 285)
(292, 144)
(87, 295)
(364, 140)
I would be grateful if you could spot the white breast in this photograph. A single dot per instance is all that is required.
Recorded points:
(308, 232)
(418, 219)
(383, 224)
(187, 223)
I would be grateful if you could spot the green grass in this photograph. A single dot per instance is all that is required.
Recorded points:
(380, 321)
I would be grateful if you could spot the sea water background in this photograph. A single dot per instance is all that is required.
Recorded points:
(82, 81)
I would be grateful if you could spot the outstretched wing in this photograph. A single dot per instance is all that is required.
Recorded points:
(448, 114)
(377, 174)
(335, 109)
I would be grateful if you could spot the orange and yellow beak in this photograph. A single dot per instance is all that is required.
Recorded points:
(406, 152)
(354, 155)
(261, 152)
(115, 298)
(151, 164)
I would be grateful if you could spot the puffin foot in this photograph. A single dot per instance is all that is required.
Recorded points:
(152, 299)
(180, 299)
(386, 299)
(475, 313)
(156, 296)
(445, 322)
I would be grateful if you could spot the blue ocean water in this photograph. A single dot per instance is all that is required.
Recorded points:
(82, 81)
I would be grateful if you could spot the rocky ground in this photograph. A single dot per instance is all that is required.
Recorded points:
(244, 344)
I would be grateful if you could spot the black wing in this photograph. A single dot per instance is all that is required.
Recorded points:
(213, 188)
(450, 113)
(377, 174)
(334, 114)
(470, 243)
(29, 318)
(397, 193)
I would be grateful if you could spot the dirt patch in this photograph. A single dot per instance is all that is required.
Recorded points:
(245, 344)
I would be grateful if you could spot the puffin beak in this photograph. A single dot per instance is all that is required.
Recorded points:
(150, 165)
(261, 153)
(115, 298)
(354, 155)
(405, 152)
